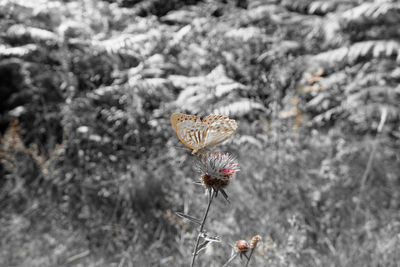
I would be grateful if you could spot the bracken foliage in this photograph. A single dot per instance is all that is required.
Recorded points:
(90, 172)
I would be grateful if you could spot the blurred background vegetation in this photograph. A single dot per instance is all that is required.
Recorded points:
(90, 172)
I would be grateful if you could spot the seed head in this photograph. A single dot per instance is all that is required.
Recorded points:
(216, 169)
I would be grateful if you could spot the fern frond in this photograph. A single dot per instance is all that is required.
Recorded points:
(282, 48)
(18, 51)
(155, 7)
(322, 7)
(371, 13)
(363, 50)
(247, 140)
(334, 81)
(366, 117)
(358, 106)
(374, 94)
(361, 17)
(265, 13)
(155, 66)
(319, 102)
(151, 88)
(159, 88)
(28, 34)
(365, 81)
(218, 75)
(255, 15)
(203, 91)
(20, 8)
(181, 81)
(110, 95)
(152, 84)
(224, 89)
(73, 29)
(326, 116)
(180, 17)
(313, 7)
(194, 99)
(245, 34)
(138, 45)
(253, 4)
(215, 78)
(239, 108)
(180, 35)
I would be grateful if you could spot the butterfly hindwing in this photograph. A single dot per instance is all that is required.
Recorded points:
(192, 134)
(189, 129)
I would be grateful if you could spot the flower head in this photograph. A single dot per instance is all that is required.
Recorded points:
(216, 169)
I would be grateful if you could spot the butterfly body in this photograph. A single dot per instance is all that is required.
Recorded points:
(201, 135)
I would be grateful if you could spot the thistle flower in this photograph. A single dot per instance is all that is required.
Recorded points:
(216, 169)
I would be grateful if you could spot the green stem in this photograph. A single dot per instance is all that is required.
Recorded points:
(202, 226)
(248, 259)
(230, 260)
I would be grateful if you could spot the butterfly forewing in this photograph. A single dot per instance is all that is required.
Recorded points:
(177, 118)
(199, 135)
(220, 129)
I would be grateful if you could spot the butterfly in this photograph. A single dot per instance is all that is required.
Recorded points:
(201, 135)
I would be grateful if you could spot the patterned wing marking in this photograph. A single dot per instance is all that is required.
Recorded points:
(179, 117)
(197, 134)
(192, 134)
(220, 129)
(190, 130)
(210, 119)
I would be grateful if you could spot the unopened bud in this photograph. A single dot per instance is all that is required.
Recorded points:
(254, 241)
(242, 245)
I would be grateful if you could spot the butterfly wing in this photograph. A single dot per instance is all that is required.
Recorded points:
(190, 130)
(177, 118)
(219, 129)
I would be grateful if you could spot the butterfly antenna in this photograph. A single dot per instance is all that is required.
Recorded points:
(182, 148)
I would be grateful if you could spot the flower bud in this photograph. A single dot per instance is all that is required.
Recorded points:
(254, 241)
(242, 246)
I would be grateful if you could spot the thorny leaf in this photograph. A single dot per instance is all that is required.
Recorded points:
(198, 183)
(202, 246)
(225, 195)
(211, 238)
(190, 218)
